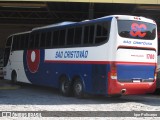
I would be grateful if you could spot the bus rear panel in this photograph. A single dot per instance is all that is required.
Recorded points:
(136, 57)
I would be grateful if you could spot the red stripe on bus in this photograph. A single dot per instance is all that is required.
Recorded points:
(136, 47)
(98, 62)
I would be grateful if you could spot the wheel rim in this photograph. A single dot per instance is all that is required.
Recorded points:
(78, 88)
(65, 86)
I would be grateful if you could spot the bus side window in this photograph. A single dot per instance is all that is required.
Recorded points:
(22, 43)
(55, 38)
(48, 40)
(42, 40)
(37, 39)
(78, 36)
(31, 42)
(18, 42)
(62, 37)
(15, 43)
(91, 34)
(9, 41)
(6, 56)
(70, 36)
(26, 42)
(101, 33)
(88, 34)
(7, 51)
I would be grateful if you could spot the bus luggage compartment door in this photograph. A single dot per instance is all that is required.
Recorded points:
(136, 65)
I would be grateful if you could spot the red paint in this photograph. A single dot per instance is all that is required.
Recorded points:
(150, 56)
(115, 87)
(99, 62)
(136, 47)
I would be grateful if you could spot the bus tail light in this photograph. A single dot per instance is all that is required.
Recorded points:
(113, 71)
(155, 73)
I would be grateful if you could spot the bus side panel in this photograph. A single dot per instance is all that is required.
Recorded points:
(94, 76)
(16, 65)
(100, 78)
(35, 71)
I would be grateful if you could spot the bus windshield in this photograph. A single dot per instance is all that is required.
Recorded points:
(136, 29)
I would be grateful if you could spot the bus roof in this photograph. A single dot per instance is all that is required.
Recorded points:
(19, 33)
(70, 23)
(54, 25)
(137, 18)
(121, 17)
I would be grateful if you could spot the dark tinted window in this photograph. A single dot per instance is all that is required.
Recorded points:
(48, 39)
(22, 41)
(31, 41)
(16, 42)
(89, 34)
(78, 35)
(102, 32)
(136, 29)
(55, 38)
(62, 37)
(37, 40)
(43, 40)
(26, 41)
(6, 56)
(70, 36)
(9, 41)
(86, 35)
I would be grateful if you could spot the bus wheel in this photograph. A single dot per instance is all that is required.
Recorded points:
(14, 77)
(65, 87)
(78, 89)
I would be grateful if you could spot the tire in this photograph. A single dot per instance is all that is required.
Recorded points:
(14, 77)
(78, 89)
(65, 87)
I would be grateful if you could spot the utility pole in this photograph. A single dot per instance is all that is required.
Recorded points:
(91, 11)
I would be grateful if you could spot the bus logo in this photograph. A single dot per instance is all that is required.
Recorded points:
(33, 60)
(150, 56)
(138, 30)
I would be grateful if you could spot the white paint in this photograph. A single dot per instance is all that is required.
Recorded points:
(33, 56)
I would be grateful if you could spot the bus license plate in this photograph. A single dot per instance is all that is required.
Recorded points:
(136, 81)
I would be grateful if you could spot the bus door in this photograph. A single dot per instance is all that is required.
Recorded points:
(136, 54)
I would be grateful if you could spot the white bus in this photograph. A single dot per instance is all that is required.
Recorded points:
(112, 55)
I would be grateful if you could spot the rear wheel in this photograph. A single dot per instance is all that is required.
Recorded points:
(78, 89)
(65, 86)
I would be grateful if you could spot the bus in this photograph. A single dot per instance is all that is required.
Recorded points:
(111, 55)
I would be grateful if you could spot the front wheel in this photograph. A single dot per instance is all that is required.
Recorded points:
(78, 89)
